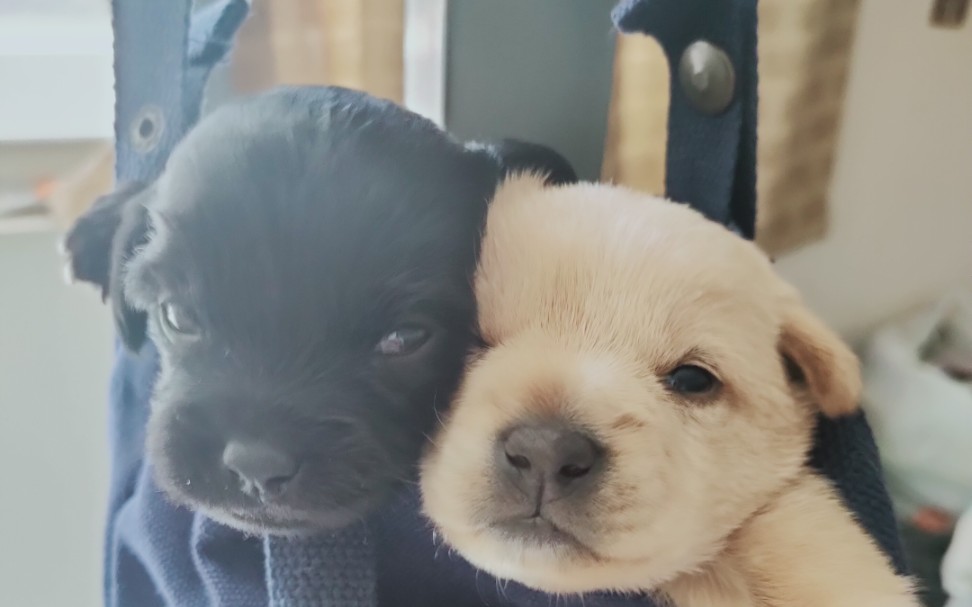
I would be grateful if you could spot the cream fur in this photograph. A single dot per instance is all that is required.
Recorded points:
(588, 296)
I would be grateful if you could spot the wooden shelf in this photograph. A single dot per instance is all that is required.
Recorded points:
(28, 223)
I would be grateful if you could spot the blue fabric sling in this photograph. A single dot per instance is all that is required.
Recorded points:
(157, 554)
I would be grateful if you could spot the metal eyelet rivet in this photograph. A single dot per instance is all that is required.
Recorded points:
(706, 76)
(147, 128)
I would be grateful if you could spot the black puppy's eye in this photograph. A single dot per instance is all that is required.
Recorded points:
(691, 380)
(177, 319)
(400, 342)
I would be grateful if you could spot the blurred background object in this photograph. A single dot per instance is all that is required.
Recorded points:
(918, 394)
(957, 565)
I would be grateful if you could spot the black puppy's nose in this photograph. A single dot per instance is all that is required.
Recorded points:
(263, 470)
(549, 461)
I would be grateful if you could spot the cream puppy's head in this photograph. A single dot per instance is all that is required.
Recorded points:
(647, 383)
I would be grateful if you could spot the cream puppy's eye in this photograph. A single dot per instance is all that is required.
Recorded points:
(691, 380)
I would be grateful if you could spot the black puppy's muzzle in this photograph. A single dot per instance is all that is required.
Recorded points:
(272, 464)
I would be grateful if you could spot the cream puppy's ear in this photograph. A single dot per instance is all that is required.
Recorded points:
(831, 370)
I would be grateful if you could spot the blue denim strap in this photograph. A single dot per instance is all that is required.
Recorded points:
(711, 159)
(162, 60)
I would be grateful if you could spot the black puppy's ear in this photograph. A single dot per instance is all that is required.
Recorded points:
(87, 244)
(515, 156)
(99, 245)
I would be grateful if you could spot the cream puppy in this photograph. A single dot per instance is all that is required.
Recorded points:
(640, 415)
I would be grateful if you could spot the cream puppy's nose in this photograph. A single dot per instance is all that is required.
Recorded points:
(548, 461)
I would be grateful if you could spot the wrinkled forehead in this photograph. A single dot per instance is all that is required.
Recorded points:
(711, 314)
(719, 322)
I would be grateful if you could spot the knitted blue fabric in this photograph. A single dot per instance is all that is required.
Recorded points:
(332, 570)
(157, 554)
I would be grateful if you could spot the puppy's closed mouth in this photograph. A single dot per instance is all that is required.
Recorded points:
(278, 523)
(264, 520)
(539, 531)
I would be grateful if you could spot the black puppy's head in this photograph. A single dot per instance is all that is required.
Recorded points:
(304, 267)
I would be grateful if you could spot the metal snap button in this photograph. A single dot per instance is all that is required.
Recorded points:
(147, 128)
(705, 74)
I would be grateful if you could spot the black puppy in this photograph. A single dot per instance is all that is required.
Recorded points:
(303, 266)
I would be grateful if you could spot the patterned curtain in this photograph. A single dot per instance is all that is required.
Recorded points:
(354, 44)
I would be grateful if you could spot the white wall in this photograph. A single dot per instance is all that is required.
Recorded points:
(55, 356)
(55, 340)
(901, 197)
(52, 51)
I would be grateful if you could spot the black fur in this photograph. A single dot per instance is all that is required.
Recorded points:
(296, 229)
(514, 155)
